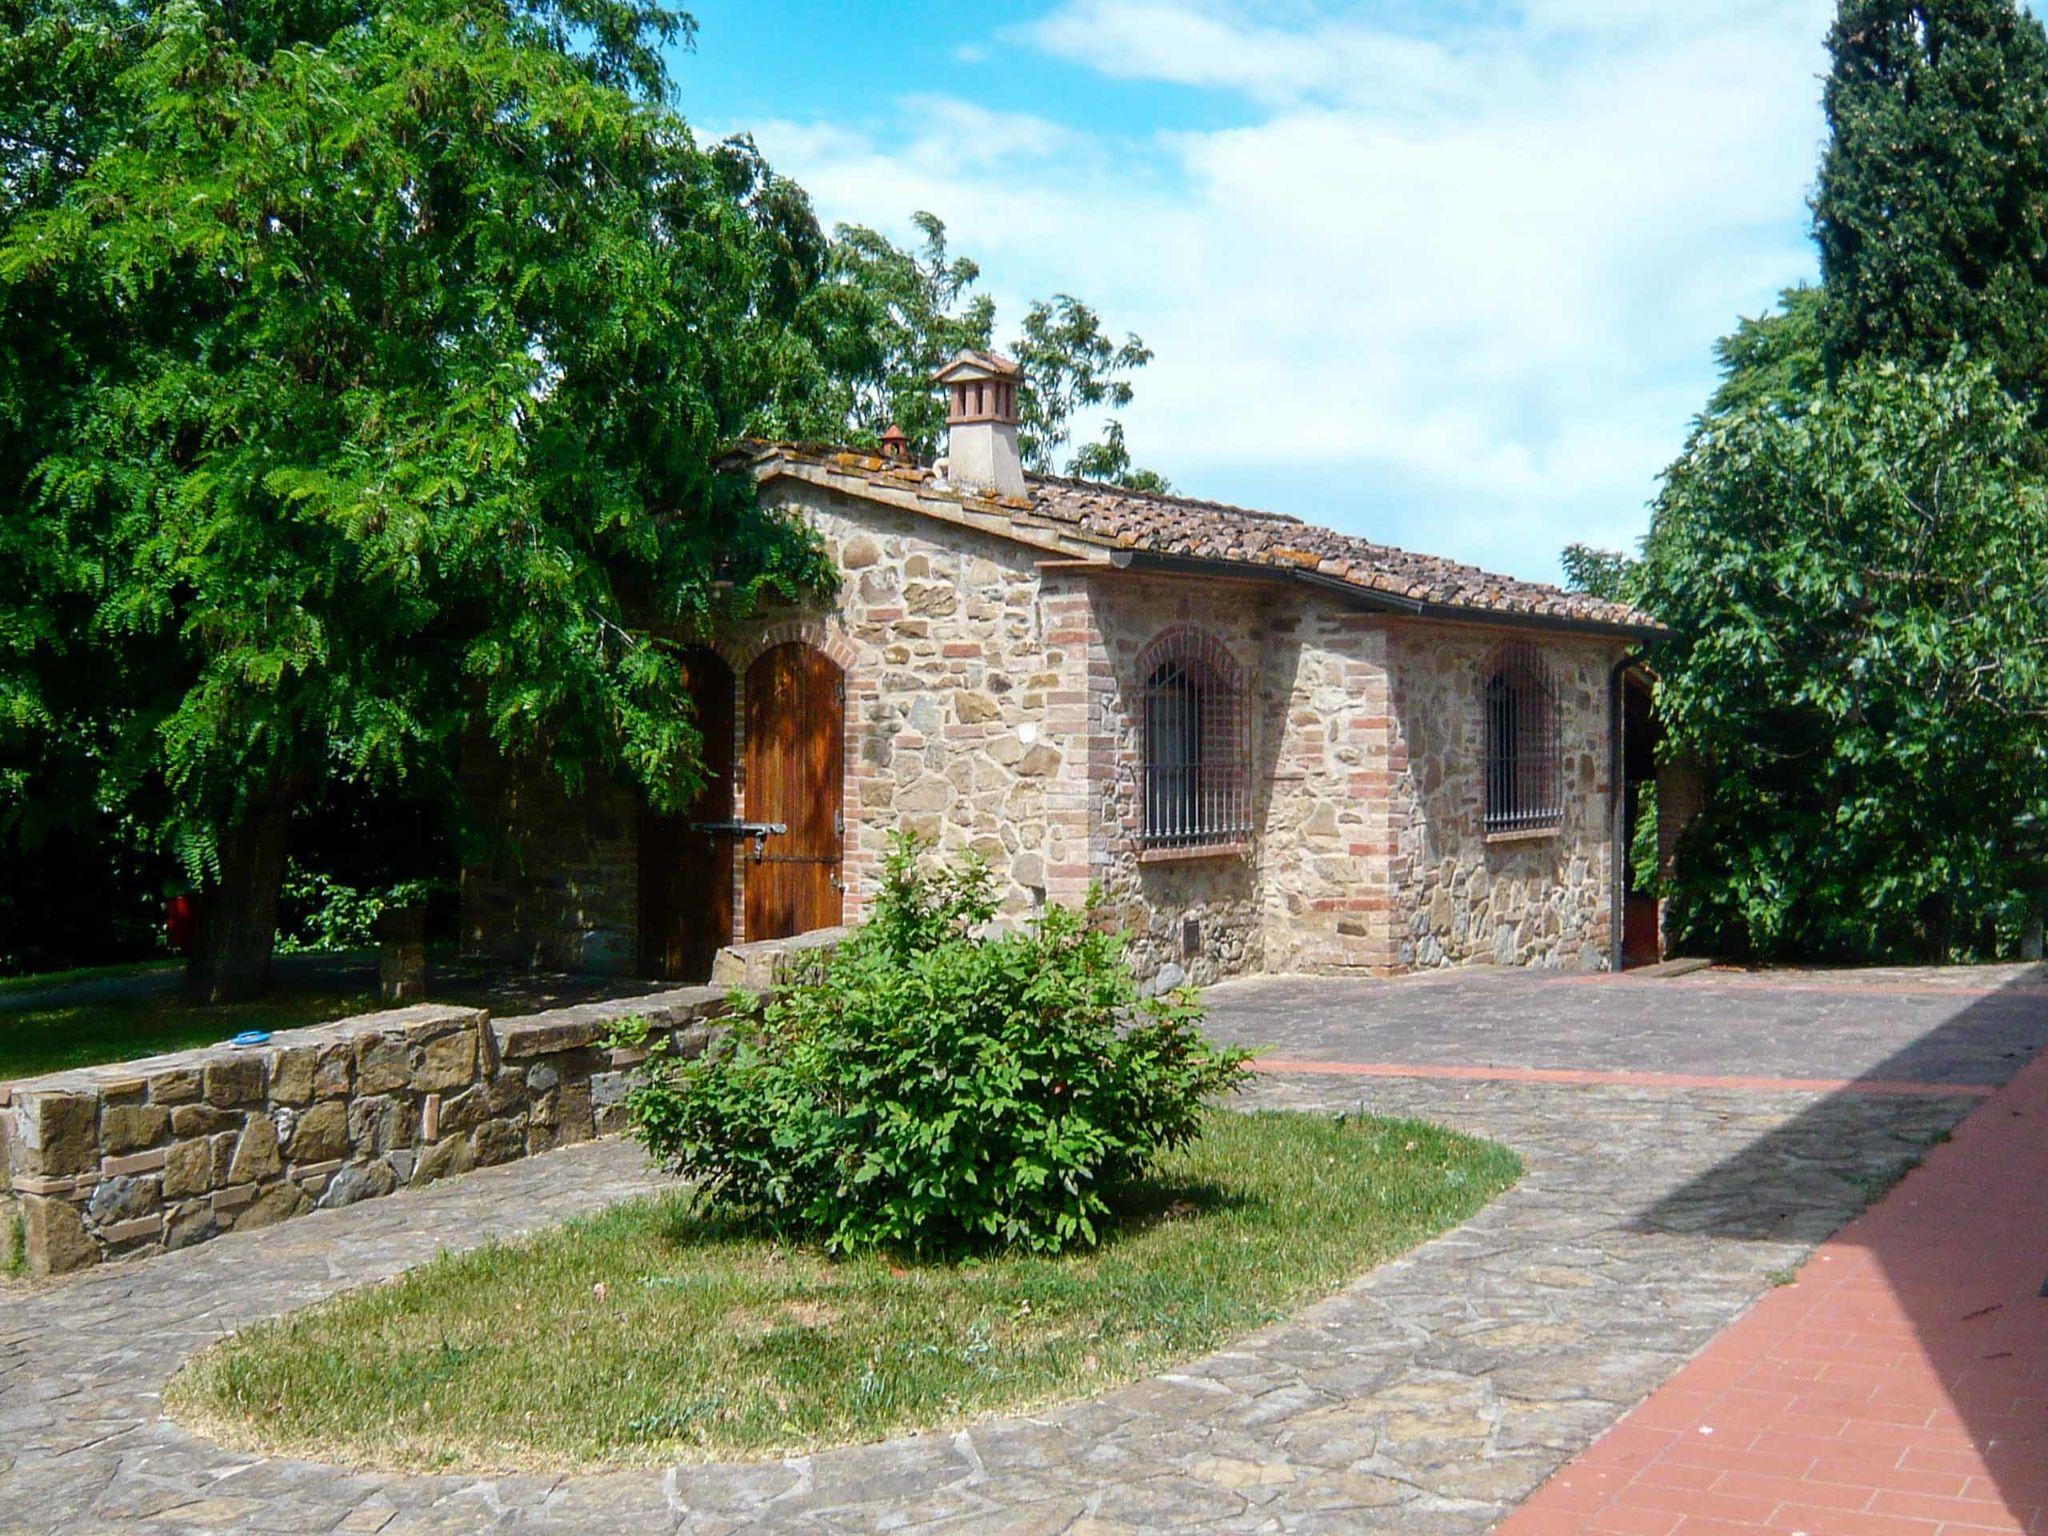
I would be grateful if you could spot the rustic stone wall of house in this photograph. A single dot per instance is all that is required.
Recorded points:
(1462, 896)
(1329, 752)
(965, 686)
(966, 722)
(146, 1156)
(993, 704)
(1193, 915)
(554, 880)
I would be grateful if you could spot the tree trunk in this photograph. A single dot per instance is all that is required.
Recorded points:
(238, 917)
(1936, 913)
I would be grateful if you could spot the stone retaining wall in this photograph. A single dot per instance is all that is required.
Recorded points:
(145, 1156)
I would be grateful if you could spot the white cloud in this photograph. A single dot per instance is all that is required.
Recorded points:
(1189, 45)
(1456, 287)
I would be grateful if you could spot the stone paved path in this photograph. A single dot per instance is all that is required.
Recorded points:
(1962, 1025)
(1432, 1396)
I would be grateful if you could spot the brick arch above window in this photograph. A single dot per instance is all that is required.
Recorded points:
(1194, 730)
(1524, 750)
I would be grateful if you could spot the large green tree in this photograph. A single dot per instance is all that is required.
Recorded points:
(365, 377)
(1771, 361)
(1859, 584)
(887, 317)
(1932, 206)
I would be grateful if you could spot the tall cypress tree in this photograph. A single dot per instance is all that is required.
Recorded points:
(1932, 206)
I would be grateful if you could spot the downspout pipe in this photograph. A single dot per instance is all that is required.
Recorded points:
(1617, 809)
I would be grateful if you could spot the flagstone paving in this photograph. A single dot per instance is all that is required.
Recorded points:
(1432, 1396)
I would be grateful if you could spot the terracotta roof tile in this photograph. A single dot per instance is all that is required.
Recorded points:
(1087, 513)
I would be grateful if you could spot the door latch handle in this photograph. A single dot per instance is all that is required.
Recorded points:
(759, 831)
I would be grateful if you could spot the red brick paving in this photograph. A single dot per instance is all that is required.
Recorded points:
(1900, 1388)
(1620, 1078)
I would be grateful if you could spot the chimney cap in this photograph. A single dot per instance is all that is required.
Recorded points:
(980, 387)
(896, 444)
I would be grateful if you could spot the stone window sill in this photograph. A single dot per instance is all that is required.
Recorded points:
(1523, 835)
(1198, 851)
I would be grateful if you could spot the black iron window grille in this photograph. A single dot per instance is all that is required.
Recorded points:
(1524, 781)
(1195, 775)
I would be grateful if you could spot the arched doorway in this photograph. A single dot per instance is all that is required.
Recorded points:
(795, 738)
(686, 874)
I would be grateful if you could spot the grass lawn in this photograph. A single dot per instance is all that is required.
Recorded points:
(647, 1334)
(56, 1038)
(42, 981)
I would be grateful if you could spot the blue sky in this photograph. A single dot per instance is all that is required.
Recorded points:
(1444, 274)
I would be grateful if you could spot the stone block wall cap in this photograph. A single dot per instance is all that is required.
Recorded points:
(166, 1061)
(817, 938)
(132, 1076)
(545, 1034)
(413, 1021)
(566, 1029)
(685, 1000)
(77, 1082)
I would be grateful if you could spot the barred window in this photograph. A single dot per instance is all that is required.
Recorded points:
(1524, 785)
(1195, 780)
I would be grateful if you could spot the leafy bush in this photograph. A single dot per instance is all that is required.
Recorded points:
(319, 914)
(1859, 669)
(935, 1087)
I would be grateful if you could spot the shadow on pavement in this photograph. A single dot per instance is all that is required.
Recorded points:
(1922, 1329)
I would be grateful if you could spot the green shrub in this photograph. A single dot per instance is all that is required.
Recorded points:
(936, 1088)
(318, 914)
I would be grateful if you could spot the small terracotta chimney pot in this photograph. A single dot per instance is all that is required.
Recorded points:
(896, 445)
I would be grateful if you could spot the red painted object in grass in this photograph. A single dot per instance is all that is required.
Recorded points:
(181, 922)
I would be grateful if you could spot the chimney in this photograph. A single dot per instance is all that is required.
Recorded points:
(982, 417)
(896, 445)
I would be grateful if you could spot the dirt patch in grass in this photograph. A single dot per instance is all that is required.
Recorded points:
(649, 1334)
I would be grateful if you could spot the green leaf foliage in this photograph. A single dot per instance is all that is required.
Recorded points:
(1607, 574)
(1071, 366)
(365, 379)
(1932, 206)
(1851, 546)
(1859, 581)
(884, 319)
(939, 1088)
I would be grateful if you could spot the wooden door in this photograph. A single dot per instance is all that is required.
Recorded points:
(686, 874)
(795, 739)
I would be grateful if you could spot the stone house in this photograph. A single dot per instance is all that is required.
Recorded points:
(1274, 746)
